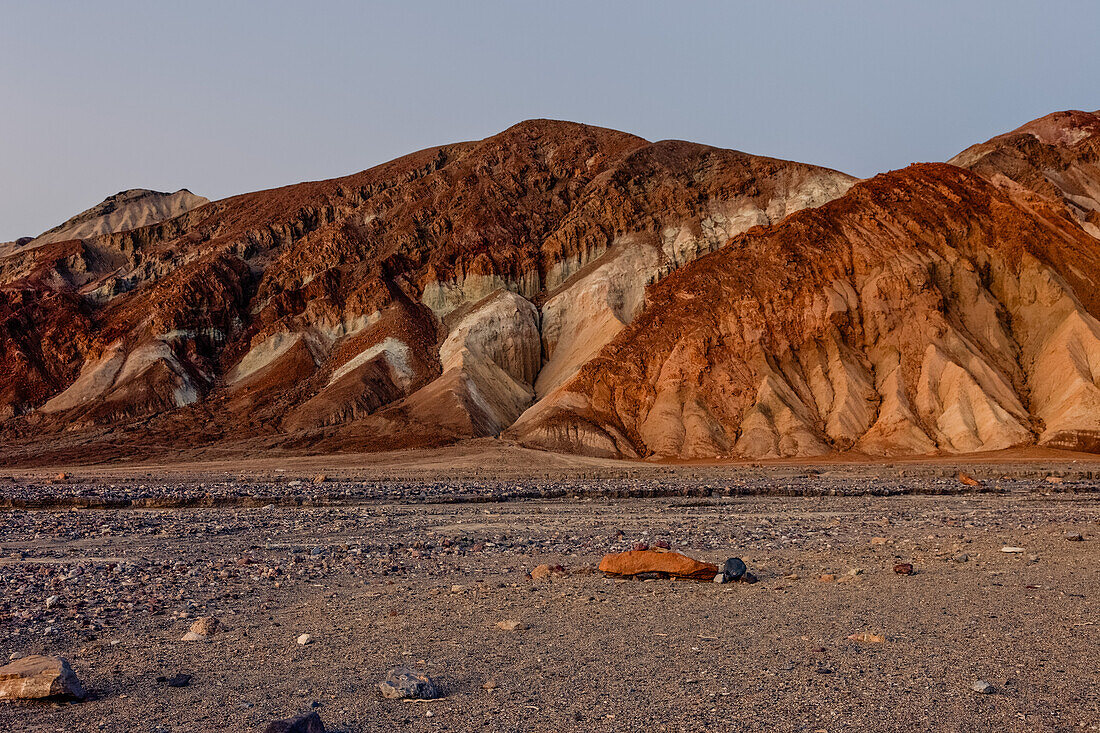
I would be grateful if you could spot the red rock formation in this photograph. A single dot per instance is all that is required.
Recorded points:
(580, 289)
(924, 310)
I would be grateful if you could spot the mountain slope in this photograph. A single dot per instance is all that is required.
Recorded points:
(924, 310)
(413, 302)
(1057, 156)
(122, 212)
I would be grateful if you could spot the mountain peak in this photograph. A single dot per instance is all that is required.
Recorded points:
(130, 209)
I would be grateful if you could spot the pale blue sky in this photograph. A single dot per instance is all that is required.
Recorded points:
(227, 97)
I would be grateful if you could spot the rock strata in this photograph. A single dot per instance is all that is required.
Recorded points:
(576, 289)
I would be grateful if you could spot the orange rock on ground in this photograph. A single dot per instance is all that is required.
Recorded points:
(637, 562)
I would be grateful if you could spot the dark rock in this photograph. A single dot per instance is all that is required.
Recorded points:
(405, 683)
(733, 569)
(179, 680)
(903, 568)
(307, 723)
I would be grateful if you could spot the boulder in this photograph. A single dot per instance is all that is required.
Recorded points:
(640, 562)
(35, 676)
(306, 723)
(405, 683)
(734, 569)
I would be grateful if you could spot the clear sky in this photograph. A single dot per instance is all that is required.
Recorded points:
(232, 96)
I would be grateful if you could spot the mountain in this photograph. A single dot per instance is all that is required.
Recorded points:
(124, 211)
(431, 298)
(578, 289)
(1057, 156)
(926, 310)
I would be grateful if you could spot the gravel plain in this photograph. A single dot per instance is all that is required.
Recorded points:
(382, 566)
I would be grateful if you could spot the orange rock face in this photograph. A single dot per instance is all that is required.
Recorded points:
(925, 310)
(639, 562)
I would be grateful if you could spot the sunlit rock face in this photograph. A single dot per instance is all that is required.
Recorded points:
(926, 310)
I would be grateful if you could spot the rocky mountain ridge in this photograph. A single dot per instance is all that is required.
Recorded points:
(580, 289)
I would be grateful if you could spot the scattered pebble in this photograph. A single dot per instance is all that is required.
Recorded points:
(734, 569)
(307, 723)
(545, 572)
(982, 687)
(205, 626)
(511, 625)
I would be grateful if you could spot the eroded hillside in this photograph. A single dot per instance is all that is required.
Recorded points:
(926, 310)
(431, 298)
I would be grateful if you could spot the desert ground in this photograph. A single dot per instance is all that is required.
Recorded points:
(414, 558)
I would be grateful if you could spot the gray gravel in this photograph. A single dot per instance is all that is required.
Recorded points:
(381, 583)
